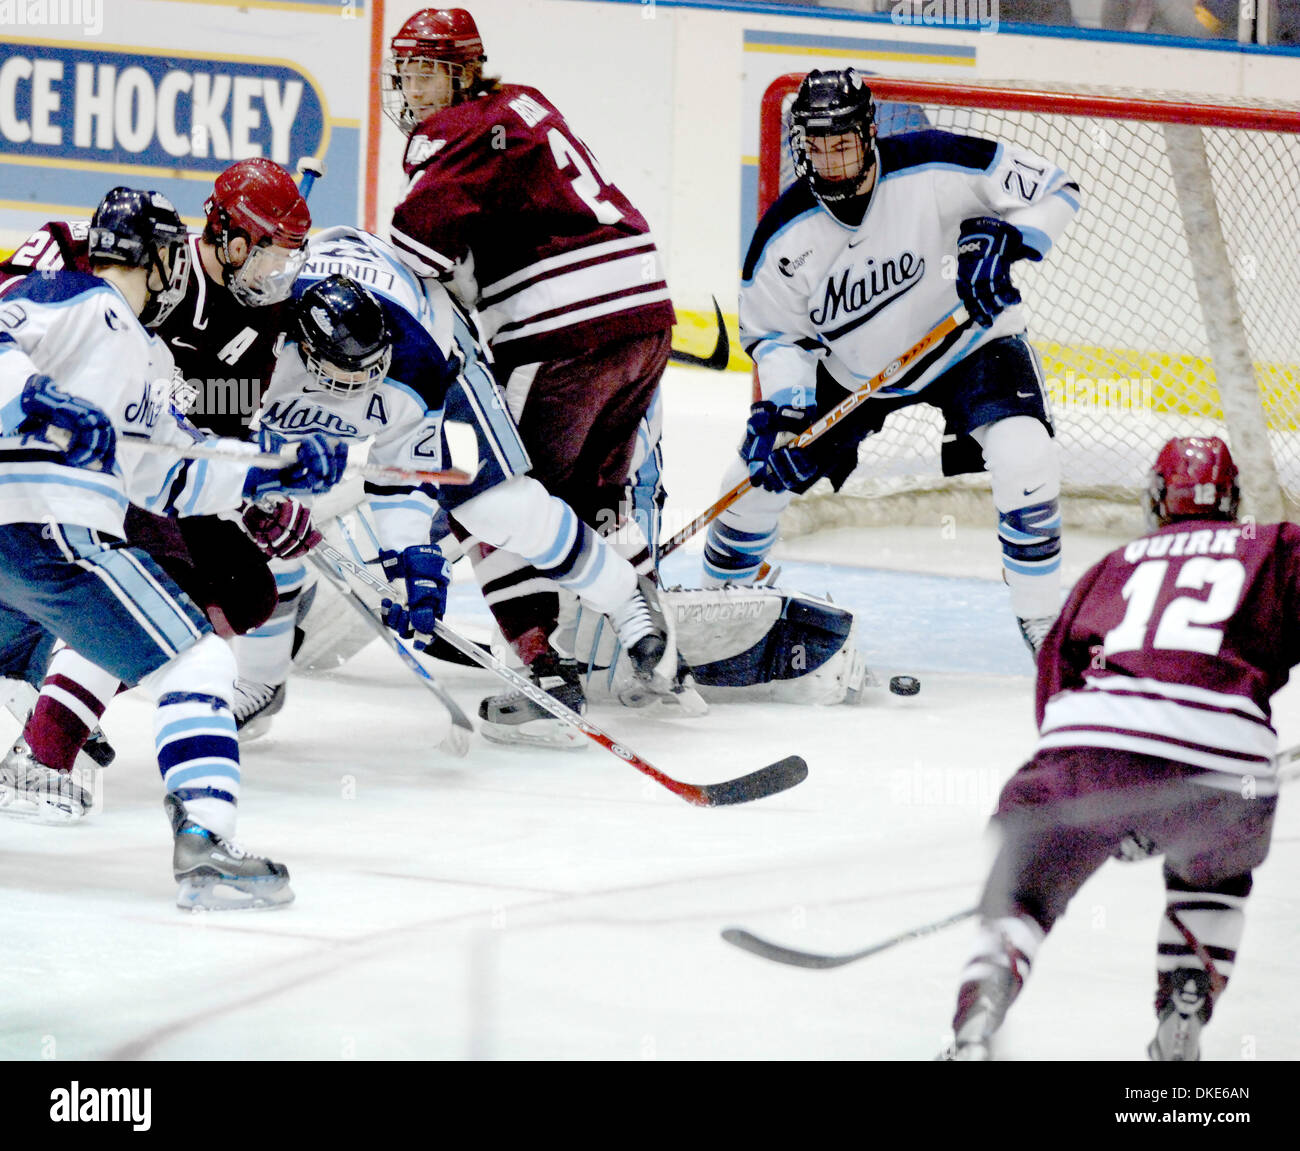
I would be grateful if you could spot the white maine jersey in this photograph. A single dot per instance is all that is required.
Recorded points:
(402, 418)
(79, 330)
(819, 290)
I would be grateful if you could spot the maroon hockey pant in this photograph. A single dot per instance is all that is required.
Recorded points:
(579, 424)
(1067, 811)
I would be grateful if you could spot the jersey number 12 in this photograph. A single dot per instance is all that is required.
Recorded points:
(1187, 623)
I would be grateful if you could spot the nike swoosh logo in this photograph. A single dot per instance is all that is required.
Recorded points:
(183, 344)
(855, 243)
(1031, 491)
(1025, 395)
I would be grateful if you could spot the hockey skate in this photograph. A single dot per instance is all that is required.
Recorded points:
(1182, 1010)
(254, 706)
(981, 1008)
(513, 718)
(29, 788)
(1033, 631)
(215, 874)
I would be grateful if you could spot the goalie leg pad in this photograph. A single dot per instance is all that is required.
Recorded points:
(746, 643)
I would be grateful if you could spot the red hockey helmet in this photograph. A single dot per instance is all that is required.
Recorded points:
(1193, 478)
(258, 200)
(433, 41)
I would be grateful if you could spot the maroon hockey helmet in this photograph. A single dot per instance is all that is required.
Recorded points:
(440, 39)
(258, 200)
(1194, 478)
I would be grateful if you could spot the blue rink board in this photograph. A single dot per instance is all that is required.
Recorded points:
(906, 622)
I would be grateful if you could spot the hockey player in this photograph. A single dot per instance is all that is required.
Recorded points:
(80, 380)
(851, 267)
(222, 335)
(506, 201)
(1155, 737)
(381, 365)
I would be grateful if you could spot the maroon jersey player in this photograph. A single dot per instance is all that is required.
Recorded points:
(507, 201)
(1154, 691)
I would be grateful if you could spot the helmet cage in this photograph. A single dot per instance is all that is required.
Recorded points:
(393, 98)
(831, 104)
(367, 376)
(267, 274)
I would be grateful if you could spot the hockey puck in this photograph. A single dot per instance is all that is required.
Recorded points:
(904, 685)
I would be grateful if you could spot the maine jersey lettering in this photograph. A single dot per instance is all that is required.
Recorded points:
(78, 330)
(1174, 645)
(817, 289)
(562, 259)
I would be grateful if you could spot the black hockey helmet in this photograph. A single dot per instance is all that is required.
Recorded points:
(143, 230)
(1194, 477)
(342, 336)
(831, 104)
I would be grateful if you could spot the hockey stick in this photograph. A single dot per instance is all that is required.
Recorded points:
(948, 327)
(456, 741)
(775, 777)
(285, 459)
(719, 358)
(747, 941)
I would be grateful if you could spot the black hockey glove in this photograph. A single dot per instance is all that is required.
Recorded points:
(321, 463)
(427, 575)
(986, 249)
(87, 432)
(777, 469)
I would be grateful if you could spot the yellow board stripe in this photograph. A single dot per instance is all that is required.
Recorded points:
(1093, 376)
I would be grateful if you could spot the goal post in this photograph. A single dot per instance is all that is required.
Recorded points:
(1171, 306)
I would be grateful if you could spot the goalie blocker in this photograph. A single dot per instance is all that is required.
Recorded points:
(743, 644)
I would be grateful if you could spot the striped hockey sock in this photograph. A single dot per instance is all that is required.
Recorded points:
(198, 755)
(71, 704)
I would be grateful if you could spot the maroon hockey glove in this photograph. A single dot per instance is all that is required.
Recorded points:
(283, 530)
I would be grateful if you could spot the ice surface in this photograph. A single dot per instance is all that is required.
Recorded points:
(558, 905)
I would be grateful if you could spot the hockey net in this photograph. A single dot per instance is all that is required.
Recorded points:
(1171, 306)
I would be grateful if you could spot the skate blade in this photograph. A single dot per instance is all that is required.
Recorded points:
(254, 729)
(212, 894)
(23, 806)
(678, 702)
(548, 733)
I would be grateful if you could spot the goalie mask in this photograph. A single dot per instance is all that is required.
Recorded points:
(258, 202)
(342, 336)
(434, 62)
(1194, 478)
(832, 133)
(143, 230)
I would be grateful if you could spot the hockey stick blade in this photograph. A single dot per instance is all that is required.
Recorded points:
(719, 358)
(793, 957)
(775, 777)
(456, 741)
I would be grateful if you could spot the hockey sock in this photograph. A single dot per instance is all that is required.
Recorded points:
(194, 733)
(992, 978)
(522, 517)
(1214, 917)
(740, 538)
(70, 706)
(265, 654)
(1023, 464)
